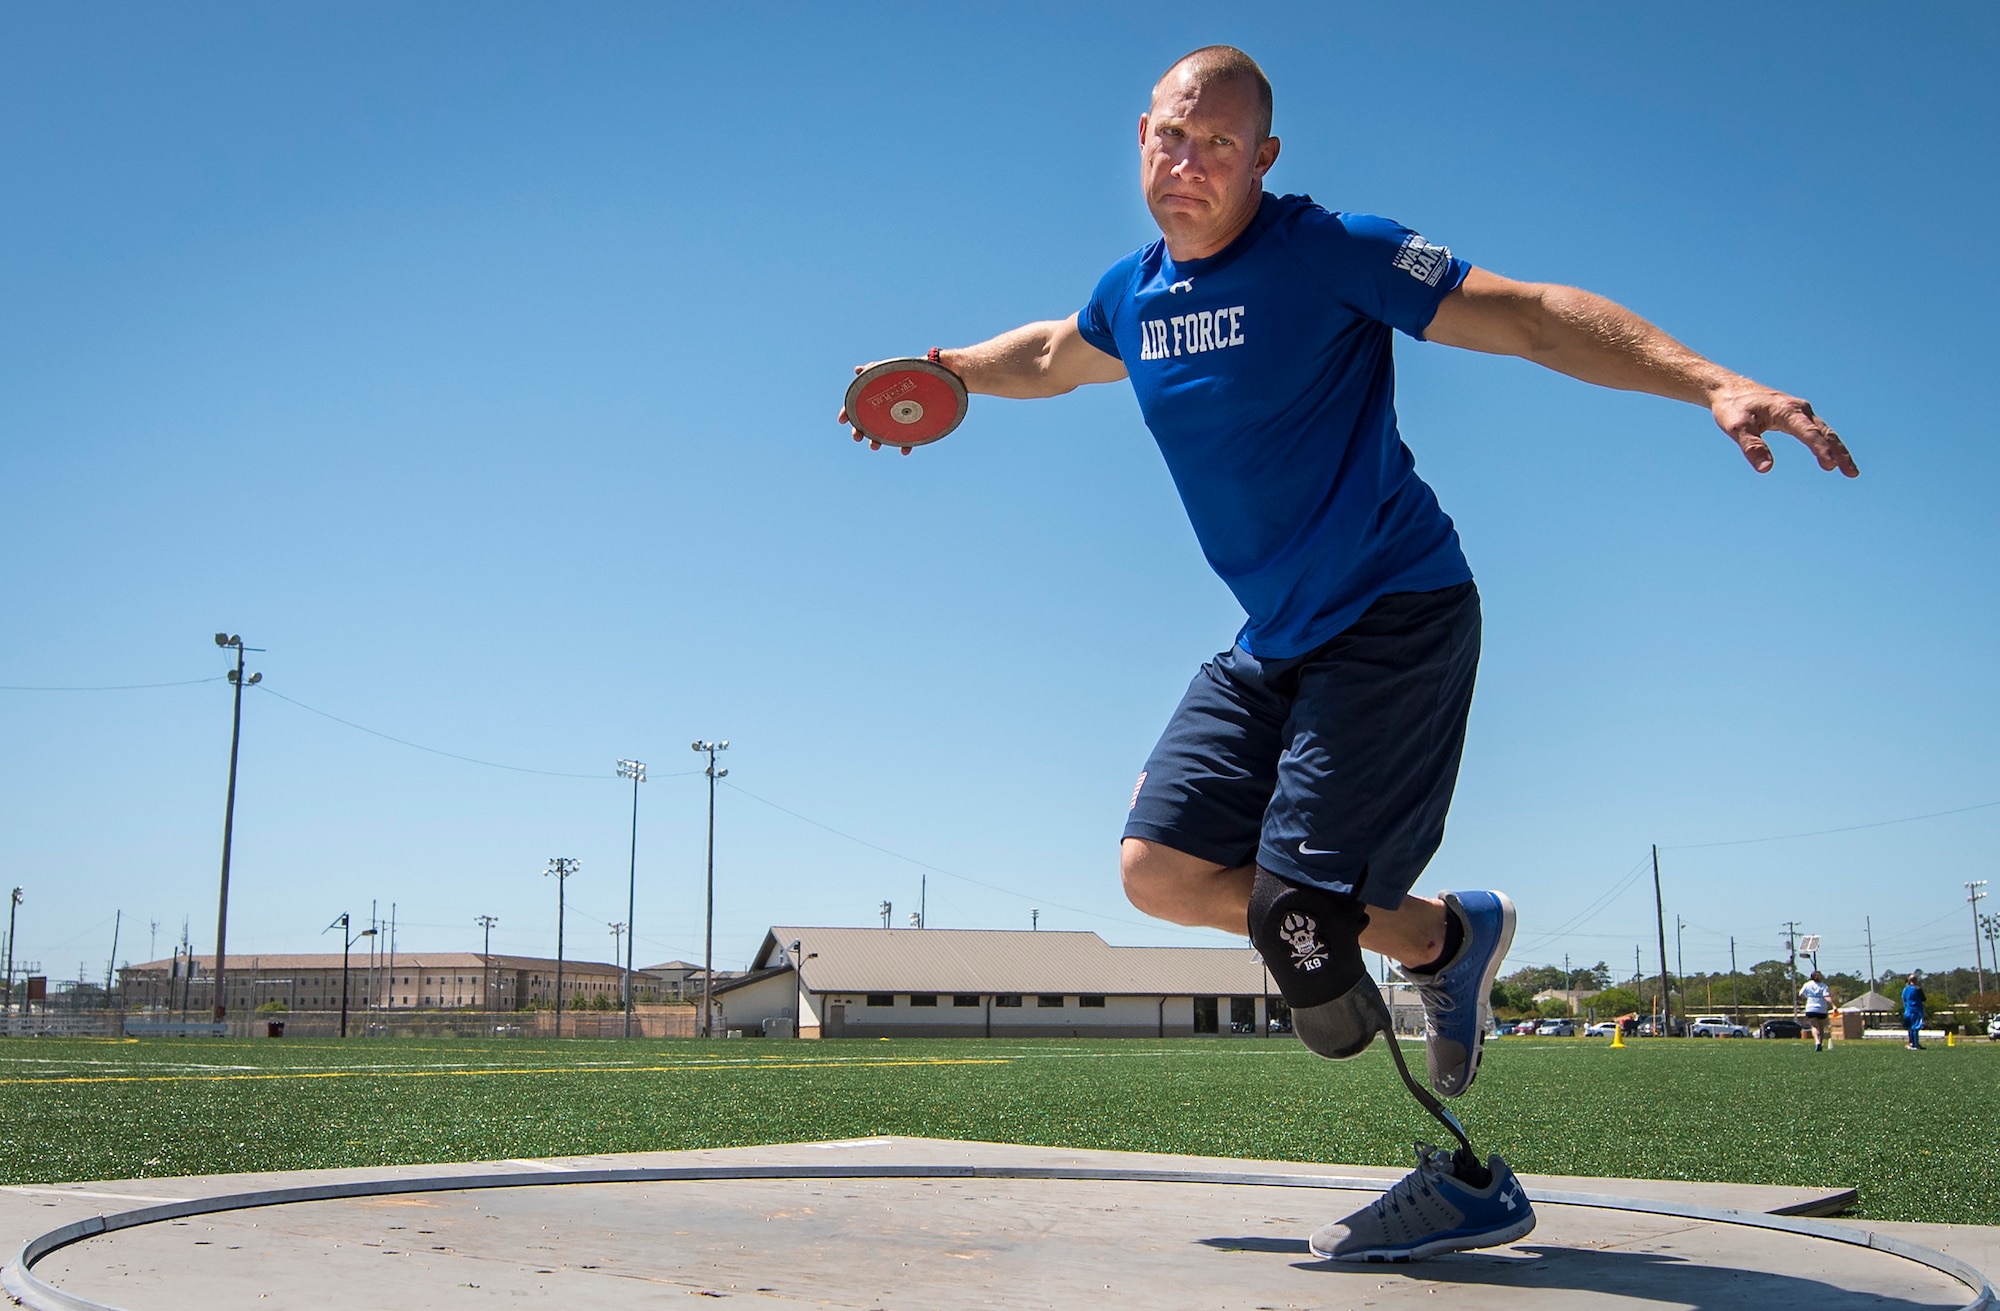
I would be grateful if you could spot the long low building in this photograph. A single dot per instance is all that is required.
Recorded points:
(912, 983)
(407, 981)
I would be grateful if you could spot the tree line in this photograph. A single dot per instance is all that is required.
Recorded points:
(1767, 985)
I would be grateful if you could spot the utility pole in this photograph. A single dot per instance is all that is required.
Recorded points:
(560, 868)
(636, 771)
(486, 922)
(13, 904)
(1792, 960)
(1660, 922)
(924, 901)
(885, 910)
(236, 680)
(1993, 942)
(1974, 892)
(1034, 919)
(708, 930)
(617, 928)
(1680, 955)
(1869, 924)
(1735, 997)
(111, 970)
(392, 955)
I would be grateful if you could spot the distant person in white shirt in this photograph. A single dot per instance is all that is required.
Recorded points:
(1819, 1004)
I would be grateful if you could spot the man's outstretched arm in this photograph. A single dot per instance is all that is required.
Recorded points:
(1588, 337)
(1036, 360)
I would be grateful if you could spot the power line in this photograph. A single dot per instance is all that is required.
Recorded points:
(952, 874)
(114, 687)
(1589, 912)
(1820, 833)
(449, 755)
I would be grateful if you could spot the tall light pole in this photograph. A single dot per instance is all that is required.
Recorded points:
(486, 922)
(1975, 891)
(636, 771)
(236, 680)
(13, 904)
(347, 945)
(560, 868)
(708, 932)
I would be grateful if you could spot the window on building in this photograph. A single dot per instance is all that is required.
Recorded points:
(923, 999)
(965, 999)
(1048, 1003)
(1007, 999)
(1243, 1015)
(1204, 1014)
(1096, 1003)
(881, 999)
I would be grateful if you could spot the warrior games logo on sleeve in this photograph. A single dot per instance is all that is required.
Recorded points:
(1421, 260)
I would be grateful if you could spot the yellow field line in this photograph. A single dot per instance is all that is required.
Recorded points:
(553, 1069)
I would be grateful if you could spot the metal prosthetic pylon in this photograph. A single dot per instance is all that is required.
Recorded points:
(1466, 1162)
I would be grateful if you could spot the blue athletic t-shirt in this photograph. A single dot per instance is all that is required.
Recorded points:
(1267, 375)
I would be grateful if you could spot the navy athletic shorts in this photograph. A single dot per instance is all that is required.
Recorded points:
(1333, 768)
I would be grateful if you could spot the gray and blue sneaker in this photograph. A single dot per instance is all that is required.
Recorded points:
(1432, 1210)
(1457, 996)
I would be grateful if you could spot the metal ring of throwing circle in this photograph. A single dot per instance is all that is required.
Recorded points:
(20, 1282)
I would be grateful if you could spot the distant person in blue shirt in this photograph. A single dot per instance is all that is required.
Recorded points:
(1913, 1013)
(1301, 786)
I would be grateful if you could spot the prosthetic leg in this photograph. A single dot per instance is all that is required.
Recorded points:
(1310, 940)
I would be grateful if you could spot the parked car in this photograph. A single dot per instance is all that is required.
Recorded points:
(1557, 1029)
(1526, 1027)
(1716, 1026)
(1993, 1029)
(1780, 1029)
(1601, 1029)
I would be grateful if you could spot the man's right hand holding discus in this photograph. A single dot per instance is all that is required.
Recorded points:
(909, 403)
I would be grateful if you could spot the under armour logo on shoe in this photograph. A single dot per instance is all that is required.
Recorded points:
(1301, 934)
(1507, 1195)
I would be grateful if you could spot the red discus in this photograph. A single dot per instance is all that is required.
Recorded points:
(906, 402)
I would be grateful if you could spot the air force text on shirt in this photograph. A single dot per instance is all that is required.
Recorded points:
(1190, 334)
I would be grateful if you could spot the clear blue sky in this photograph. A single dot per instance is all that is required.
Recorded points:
(480, 360)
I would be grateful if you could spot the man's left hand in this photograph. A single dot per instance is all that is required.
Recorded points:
(1747, 410)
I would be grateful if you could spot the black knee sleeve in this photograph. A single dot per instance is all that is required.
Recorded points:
(1310, 940)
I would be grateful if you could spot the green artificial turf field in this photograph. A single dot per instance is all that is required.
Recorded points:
(1911, 1130)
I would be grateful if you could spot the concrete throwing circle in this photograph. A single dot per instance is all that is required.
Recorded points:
(934, 1235)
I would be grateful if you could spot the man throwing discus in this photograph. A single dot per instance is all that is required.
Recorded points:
(1301, 786)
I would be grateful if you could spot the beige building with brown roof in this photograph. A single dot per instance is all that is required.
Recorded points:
(910, 983)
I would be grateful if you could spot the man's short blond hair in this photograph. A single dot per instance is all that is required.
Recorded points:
(1226, 64)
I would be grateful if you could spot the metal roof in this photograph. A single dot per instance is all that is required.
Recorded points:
(1010, 961)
